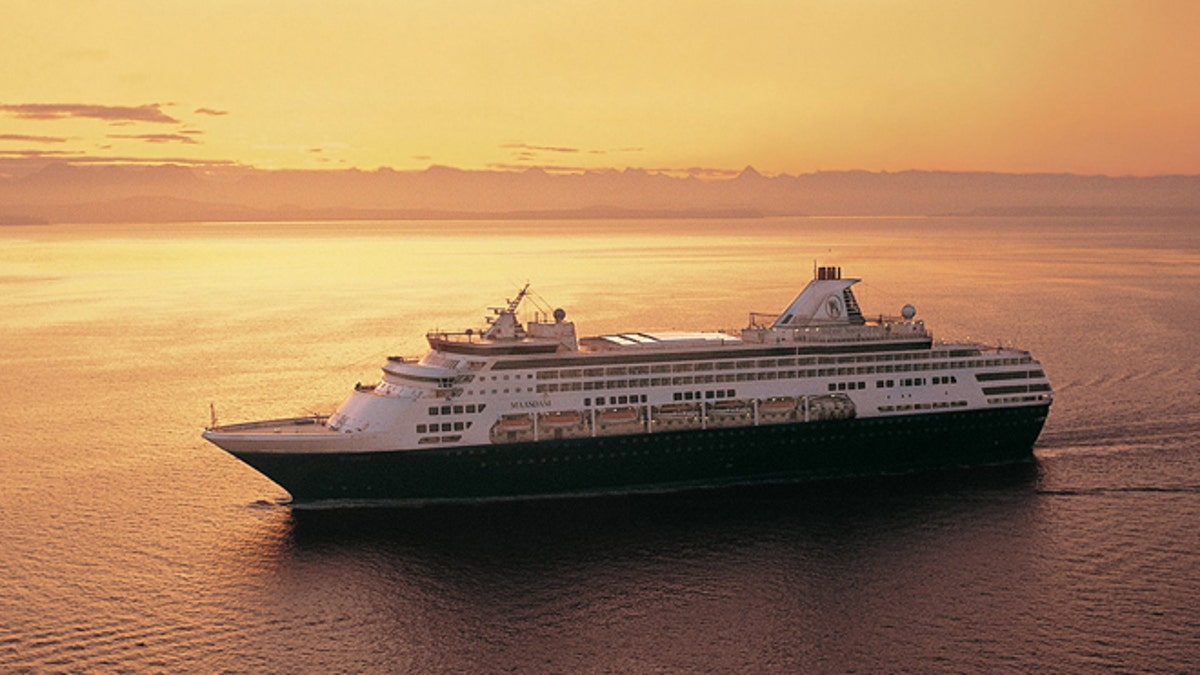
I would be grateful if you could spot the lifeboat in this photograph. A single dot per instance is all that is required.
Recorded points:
(676, 411)
(516, 423)
(729, 408)
(560, 419)
(777, 406)
(618, 416)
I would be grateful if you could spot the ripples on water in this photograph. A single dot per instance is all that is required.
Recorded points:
(129, 544)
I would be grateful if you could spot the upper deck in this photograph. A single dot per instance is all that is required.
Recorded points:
(824, 317)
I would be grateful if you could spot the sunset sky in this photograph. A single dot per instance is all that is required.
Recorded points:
(712, 86)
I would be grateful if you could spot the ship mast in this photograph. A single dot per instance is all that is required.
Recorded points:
(504, 324)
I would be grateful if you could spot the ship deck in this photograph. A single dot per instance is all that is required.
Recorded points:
(294, 426)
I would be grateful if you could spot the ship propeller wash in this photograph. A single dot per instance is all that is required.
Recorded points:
(522, 410)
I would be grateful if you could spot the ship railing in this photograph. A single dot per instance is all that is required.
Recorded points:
(467, 335)
(307, 421)
(827, 334)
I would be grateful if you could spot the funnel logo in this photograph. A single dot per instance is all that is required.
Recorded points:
(833, 306)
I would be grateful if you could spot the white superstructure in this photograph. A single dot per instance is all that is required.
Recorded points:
(516, 383)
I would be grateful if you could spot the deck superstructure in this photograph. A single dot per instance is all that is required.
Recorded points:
(523, 409)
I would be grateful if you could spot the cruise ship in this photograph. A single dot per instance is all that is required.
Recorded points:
(528, 409)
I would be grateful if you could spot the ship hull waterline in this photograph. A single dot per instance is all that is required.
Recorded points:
(660, 462)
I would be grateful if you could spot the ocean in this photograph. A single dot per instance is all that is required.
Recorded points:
(127, 543)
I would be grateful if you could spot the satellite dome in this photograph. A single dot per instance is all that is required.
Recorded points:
(908, 312)
(559, 315)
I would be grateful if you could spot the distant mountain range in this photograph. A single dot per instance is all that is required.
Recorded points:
(170, 193)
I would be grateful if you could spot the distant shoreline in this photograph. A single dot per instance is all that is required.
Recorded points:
(63, 193)
(235, 215)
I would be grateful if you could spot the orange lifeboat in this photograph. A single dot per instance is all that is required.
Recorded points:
(729, 408)
(516, 423)
(618, 416)
(777, 406)
(676, 411)
(560, 419)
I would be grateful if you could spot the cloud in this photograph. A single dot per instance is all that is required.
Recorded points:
(32, 139)
(528, 150)
(158, 138)
(538, 148)
(36, 154)
(79, 158)
(210, 111)
(151, 112)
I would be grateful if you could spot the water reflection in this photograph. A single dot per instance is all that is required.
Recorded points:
(494, 585)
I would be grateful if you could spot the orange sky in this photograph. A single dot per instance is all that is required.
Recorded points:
(785, 85)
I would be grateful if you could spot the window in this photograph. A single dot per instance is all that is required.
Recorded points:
(433, 411)
(420, 428)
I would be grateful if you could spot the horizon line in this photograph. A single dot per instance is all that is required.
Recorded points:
(17, 164)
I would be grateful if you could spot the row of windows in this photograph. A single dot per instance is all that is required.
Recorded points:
(1009, 375)
(915, 381)
(469, 408)
(851, 386)
(1018, 399)
(444, 426)
(695, 395)
(573, 373)
(742, 377)
(505, 377)
(616, 400)
(1015, 389)
(922, 406)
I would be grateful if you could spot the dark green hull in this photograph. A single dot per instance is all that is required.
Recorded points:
(663, 461)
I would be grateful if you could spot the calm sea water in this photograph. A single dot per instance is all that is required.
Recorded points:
(129, 544)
